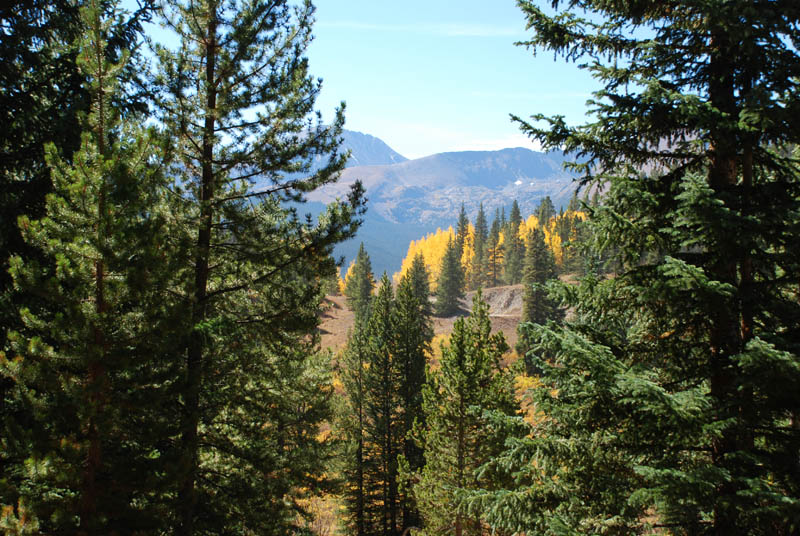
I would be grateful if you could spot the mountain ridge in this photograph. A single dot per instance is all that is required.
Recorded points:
(409, 198)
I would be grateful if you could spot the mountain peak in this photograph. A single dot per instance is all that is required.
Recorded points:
(367, 150)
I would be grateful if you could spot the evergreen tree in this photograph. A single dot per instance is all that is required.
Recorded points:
(383, 379)
(494, 253)
(671, 398)
(462, 229)
(450, 287)
(419, 282)
(360, 494)
(457, 435)
(251, 280)
(479, 266)
(545, 211)
(413, 334)
(360, 284)
(85, 373)
(514, 247)
(537, 306)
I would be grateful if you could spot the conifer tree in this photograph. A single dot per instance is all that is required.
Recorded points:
(671, 397)
(413, 334)
(545, 211)
(514, 247)
(361, 495)
(237, 97)
(419, 282)
(494, 253)
(478, 268)
(360, 284)
(450, 287)
(457, 435)
(383, 406)
(537, 306)
(462, 229)
(85, 371)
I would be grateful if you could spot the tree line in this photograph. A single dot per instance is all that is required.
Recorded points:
(414, 432)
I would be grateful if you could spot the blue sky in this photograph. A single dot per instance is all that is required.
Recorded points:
(436, 75)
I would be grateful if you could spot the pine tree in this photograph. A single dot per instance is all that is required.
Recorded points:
(514, 247)
(457, 435)
(251, 281)
(383, 378)
(671, 397)
(360, 495)
(360, 283)
(494, 253)
(462, 229)
(545, 211)
(413, 334)
(450, 287)
(478, 268)
(84, 370)
(537, 306)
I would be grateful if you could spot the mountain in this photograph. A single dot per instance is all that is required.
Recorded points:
(368, 150)
(411, 198)
(365, 150)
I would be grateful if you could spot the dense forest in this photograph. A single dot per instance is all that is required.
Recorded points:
(160, 364)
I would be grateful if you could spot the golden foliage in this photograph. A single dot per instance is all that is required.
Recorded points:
(434, 244)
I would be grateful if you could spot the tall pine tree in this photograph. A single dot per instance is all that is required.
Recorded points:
(86, 370)
(237, 97)
(457, 435)
(450, 287)
(360, 283)
(671, 399)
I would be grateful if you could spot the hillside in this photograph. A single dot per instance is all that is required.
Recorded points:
(505, 308)
(408, 199)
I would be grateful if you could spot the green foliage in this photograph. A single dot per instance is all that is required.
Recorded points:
(514, 247)
(360, 283)
(450, 287)
(476, 271)
(83, 371)
(664, 411)
(537, 306)
(384, 370)
(459, 434)
(545, 210)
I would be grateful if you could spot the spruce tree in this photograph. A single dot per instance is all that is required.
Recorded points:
(413, 334)
(359, 286)
(457, 434)
(476, 275)
(514, 247)
(462, 229)
(419, 281)
(383, 407)
(494, 253)
(86, 372)
(450, 287)
(237, 98)
(545, 211)
(671, 397)
(537, 306)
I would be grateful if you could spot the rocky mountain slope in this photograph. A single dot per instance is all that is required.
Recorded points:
(410, 198)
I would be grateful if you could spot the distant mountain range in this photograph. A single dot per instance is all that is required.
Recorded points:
(410, 198)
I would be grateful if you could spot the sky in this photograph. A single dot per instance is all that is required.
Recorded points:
(430, 76)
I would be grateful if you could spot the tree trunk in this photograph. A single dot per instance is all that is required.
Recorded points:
(725, 336)
(196, 345)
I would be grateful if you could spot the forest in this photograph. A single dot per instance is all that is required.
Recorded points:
(161, 370)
